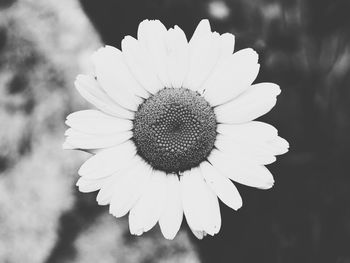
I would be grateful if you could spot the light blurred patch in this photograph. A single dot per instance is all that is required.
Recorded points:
(218, 10)
(109, 239)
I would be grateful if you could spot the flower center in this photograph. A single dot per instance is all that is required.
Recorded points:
(174, 130)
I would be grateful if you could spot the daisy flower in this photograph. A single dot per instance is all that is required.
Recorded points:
(173, 126)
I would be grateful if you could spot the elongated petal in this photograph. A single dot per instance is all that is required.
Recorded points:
(253, 103)
(115, 78)
(255, 140)
(203, 31)
(141, 64)
(89, 185)
(171, 218)
(222, 186)
(129, 188)
(200, 206)
(152, 34)
(96, 122)
(246, 152)
(254, 130)
(107, 190)
(108, 161)
(89, 88)
(280, 145)
(204, 54)
(227, 46)
(213, 211)
(80, 140)
(190, 199)
(145, 214)
(232, 77)
(248, 174)
(177, 56)
(109, 183)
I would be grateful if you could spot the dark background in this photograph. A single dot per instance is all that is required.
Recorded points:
(304, 46)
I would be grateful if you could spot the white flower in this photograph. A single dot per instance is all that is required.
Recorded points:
(173, 126)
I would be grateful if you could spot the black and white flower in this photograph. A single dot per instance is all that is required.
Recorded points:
(174, 125)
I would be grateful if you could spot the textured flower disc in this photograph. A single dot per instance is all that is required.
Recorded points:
(174, 130)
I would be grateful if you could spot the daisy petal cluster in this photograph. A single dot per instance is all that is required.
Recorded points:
(173, 127)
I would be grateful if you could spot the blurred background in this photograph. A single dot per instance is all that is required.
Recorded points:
(304, 46)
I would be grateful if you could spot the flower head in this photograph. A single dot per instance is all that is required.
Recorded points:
(173, 126)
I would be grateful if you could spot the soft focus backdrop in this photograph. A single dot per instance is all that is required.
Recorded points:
(304, 46)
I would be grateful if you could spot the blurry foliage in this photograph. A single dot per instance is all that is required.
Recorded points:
(304, 46)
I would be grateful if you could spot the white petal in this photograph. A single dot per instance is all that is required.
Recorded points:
(254, 139)
(115, 78)
(248, 174)
(80, 140)
(145, 214)
(204, 54)
(253, 103)
(227, 46)
(202, 31)
(108, 161)
(190, 199)
(152, 34)
(108, 183)
(213, 211)
(89, 185)
(96, 122)
(200, 203)
(279, 145)
(254, 130)
(107, 190)
(141, 64)
(89, 88)
(171, 218)
(232, 77)
(222, 186)
(199, 234)
(129, 188)
(177, 55)
(244, 151)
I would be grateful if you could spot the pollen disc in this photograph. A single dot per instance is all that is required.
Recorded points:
(174, 130)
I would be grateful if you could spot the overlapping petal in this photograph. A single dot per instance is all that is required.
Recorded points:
(129, 188)
(254, 141)
(89, 185)
(147, 211)
(204, 53)
(96, 122)
(116, 79)
(248, 174)
(108, 161)
(222, 186)
(177, 56)
(152, 35)
(227, 46)
(256, 101)
(141, 65)
(233, 76)
(200, 204)
(171, 218)
(90, 89)
(80, 140)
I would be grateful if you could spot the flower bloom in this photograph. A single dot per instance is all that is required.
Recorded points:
(173, 126)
